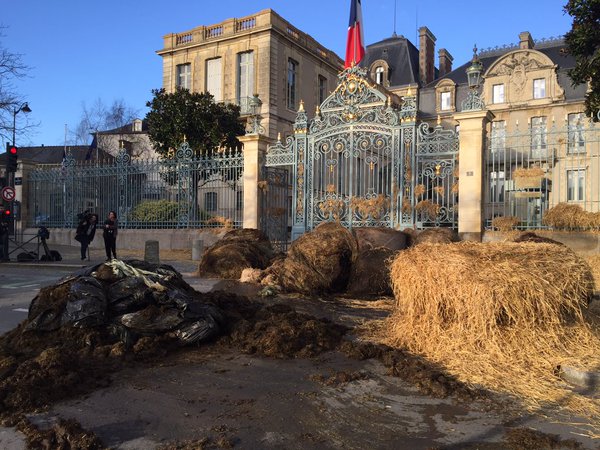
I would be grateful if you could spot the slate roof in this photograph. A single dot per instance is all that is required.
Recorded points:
(563, 60)
(126, 129)
(400, 54)
(53, 154)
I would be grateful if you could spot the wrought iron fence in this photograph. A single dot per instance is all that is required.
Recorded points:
(534, 168)
(184, 192)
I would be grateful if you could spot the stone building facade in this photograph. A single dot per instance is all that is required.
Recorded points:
(260, 54)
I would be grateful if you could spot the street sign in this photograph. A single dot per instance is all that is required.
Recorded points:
(18, 181)
(8, 193)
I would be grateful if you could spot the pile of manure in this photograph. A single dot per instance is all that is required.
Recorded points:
(501, 316)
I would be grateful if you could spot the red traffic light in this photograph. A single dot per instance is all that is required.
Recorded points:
(12, 150)
(7, 213)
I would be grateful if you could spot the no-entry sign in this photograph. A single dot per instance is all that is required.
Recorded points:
(8, 193)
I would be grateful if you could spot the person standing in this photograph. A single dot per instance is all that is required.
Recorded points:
(85, 233)
(4, 232)
(110, 235)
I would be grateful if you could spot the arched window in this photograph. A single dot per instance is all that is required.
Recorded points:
(379, 71)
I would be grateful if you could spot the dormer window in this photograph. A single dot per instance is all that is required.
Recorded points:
(379, 74)
(445, 101)
(539, 88)
(445, 96)
(498, 93)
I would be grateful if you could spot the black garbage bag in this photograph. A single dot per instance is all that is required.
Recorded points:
(87, 304)
(173, 297)
(197, 310)
(198, 331)
(152, 320)
(122, 333)
(128, 295)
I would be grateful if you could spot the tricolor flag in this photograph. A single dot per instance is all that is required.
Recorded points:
(355, 48)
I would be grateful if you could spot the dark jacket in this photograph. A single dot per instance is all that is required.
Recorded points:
(85, 230)
(111, 230)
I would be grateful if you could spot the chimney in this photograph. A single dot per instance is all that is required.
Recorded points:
(525, 40)
(426, 55)
(445, 62)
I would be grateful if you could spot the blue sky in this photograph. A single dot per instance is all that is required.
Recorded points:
(80, 51)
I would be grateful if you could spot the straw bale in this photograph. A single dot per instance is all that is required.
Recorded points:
(505, 223)
(528, 172)
(236, 251)
(370, 273)
(501, 315)
(436, 235)
(319, 261)
(565, 216)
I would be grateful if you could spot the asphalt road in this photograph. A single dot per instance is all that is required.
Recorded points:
(18, 286)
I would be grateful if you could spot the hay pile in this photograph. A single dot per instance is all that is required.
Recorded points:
(237, 250)
(319, 261)
(565, 216)
(436, 236)
(498, 315)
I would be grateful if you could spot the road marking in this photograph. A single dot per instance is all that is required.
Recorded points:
(18, 285)
(21, 310)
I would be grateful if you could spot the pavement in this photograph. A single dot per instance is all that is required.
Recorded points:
(181, 260)
(71, 257)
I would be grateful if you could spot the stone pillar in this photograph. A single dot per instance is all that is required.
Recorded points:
(152, 252)
(255, 147)
(471, 172)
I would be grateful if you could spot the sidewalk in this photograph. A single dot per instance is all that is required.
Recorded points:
(181, 260)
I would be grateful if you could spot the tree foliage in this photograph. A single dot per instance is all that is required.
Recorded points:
(583, 42)
(206, 125)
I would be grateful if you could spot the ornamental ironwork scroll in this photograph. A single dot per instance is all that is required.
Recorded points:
(435, 186)
(185, 184)
(123, 161)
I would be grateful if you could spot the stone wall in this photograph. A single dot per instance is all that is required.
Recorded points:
(136, 239)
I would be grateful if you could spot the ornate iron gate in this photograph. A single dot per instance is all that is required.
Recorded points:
(435, 188)
(274, 204)
(360, 161)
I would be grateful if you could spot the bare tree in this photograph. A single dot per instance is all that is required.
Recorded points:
(12, 68)
(99, 117)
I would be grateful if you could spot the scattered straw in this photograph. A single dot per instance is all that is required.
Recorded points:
(499, 315)
(565, 216)
(507, 223)
(530, 172)
(594, 263)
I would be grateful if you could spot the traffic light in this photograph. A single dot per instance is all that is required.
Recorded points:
(12, 156)
(7, 213)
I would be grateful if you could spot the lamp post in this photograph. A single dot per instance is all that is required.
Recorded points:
(26, 109)
(473, 102)
(10, 177)
(254, 126)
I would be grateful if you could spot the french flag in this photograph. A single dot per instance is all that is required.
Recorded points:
(355, 48)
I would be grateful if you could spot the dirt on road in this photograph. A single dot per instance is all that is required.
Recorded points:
(289, 372)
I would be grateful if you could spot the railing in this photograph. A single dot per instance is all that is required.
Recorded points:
(184, 192)
(184, 38)
(245, 24)
(528, 171)
(242, 25)
(212, 32)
